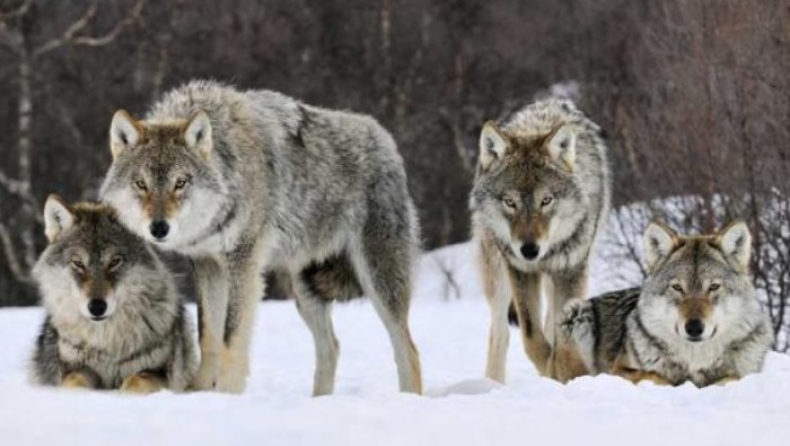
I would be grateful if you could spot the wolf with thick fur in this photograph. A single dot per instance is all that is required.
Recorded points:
(246, 181)
(540, 195)
(696, 318)
(114, 318)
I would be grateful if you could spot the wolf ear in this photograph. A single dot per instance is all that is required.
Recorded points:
(735, 241)
(124, 133)
(198, 134)
(660, 240)
(562, 147)
(57, 217)
(492, 144)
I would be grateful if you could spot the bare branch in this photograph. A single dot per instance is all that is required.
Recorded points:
(69, 37)
(8, 39)
(18, 12)
(19, 189)
(13, 186)
(21, 274)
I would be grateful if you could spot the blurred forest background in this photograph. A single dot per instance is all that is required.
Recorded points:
(694, 95)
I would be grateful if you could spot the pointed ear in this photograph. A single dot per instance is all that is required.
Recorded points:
(492, 144)
(735, 241)
(57, 217)
(124, 133)
(660, 240)
(562, 147)
(198, 134)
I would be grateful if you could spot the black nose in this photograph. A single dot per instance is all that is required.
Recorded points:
(530, 250)
(159, 229)
(97, 307)
(695, 327)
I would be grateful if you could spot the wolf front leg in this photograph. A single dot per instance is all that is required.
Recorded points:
(245, 290)
(565, 362)
(81, 379)
(637, 376)
(726, 380)
(526, 288)
(496, 287)
(211, 276)
(144, 383)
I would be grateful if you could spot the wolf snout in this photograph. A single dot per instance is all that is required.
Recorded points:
(97, 307)
(694, 329)
(530, 250)
(159, 229)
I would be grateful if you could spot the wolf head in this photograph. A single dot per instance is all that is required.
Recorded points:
(93, 267)
(162, 181)
(526, 191)
(698, 286)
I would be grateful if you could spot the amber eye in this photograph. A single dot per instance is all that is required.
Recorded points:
(140, 185)
(509, 202)
(546, 201)
(714, 286)
(677, 287)
(180, 184)
(115, 262)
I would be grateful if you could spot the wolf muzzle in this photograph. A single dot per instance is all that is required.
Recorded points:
(97, 308)
(159, 229)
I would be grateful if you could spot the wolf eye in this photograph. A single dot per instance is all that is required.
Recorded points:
(677, 287)
(714, 286)
(140, 184)
(181, 183)
(77, 264)
(509, 202)
(115, 262)
(546, 201)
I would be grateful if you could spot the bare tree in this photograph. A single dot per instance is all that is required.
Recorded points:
(16, 28)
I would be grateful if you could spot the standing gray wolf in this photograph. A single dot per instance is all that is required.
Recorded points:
(246, 181)
(695, 319)
(114, 319)
(540, 195)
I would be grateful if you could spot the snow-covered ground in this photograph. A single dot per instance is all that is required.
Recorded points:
(461, 408)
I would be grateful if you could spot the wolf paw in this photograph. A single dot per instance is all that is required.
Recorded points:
(577, 319)
(205, 378)
(142, 384)
(77, 380)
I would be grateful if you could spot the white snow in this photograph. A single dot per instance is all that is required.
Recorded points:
(460, 407)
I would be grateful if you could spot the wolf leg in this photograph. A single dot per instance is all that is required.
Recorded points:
(383, 267)
(497, 291)
(244, 293)
(211, 278)
(565, 285)
(143, 383)
(80, 379)
(577, 331)
(526, 289)
(637, 376)
(726, 380)
(316, 313)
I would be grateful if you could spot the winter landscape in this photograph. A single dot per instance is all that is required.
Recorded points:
(460, 407)
(691, 100)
